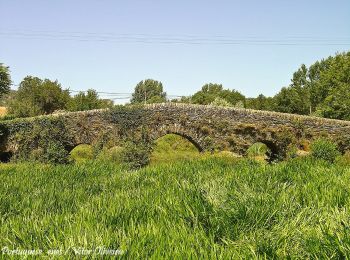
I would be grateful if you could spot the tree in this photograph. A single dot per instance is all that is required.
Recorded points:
(307, 92)
(260, 103)
(37, 97)
(318, 92)
(300, 85)
(292, 100)
(148, 91)
(218, 101)
(296, 97)
(335, 86)
(210, 92)
(322, 89)
(88, 101)
(5, 80)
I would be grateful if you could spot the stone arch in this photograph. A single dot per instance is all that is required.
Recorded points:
(173, 147)
(72, 147)
(187, 137)
(188, 134)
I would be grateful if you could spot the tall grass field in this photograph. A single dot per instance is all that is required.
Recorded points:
(204, 208)
(184, 205)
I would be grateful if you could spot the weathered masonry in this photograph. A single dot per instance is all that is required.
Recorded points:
(207, 127)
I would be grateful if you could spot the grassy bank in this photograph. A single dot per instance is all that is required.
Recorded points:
(207, 207)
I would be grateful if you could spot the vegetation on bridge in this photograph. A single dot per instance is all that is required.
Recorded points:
(51, 138)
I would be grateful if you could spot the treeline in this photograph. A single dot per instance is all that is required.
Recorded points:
(322, 89)
(36, 96)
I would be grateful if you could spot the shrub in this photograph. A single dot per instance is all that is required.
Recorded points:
(136, 155)
(239, 104)
(173, 148)
(325, 150)
(286, 138)
(208, 143)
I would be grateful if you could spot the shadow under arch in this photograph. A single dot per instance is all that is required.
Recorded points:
(274, 152)
(71, 147)
(5, 157)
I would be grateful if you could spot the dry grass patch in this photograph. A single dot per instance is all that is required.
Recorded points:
(3, 111)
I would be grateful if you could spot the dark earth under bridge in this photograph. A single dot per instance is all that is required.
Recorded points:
(207, 127)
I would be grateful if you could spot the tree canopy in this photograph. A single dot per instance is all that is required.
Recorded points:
(37, 97)
(148, 91)
(322, 89)
(334, 88)
(260, 103)
(218, 101)
(87, 101)
(210, 92)
(5, 80)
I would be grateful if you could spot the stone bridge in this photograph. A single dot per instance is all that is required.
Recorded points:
(207, 127)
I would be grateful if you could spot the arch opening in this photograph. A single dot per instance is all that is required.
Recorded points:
(264, 150)
(5, 157)
(186, 137)
(273, 151)
(174, 147)
(81, 153)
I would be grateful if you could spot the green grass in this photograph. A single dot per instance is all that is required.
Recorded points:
(82, 153)
(207, 208)
(174, 148)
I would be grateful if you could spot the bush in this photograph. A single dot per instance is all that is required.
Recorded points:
(325, 150)
(136, 155)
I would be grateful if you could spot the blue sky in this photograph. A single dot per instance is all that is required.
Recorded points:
(117, 66)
